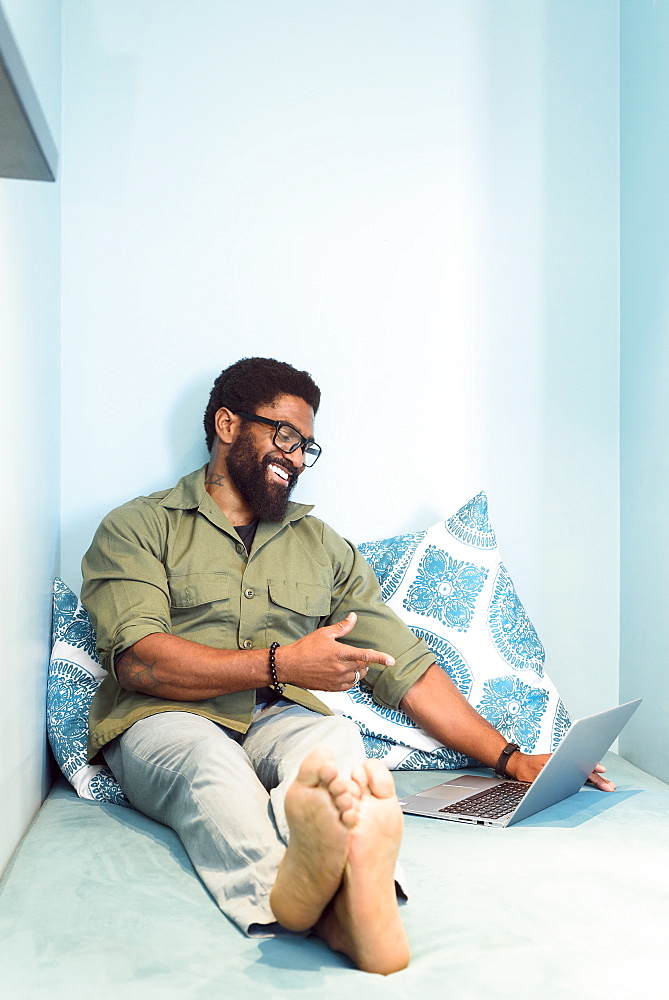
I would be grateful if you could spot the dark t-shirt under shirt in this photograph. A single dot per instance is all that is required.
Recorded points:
(247, 532)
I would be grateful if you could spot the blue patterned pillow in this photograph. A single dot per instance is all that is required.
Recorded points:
(75, 674)
(449, 585)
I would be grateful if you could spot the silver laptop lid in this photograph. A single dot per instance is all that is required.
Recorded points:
(568, 769)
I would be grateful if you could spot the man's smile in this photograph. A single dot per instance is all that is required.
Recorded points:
(279, 472)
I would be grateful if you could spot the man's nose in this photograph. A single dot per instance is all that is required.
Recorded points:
(296, 458)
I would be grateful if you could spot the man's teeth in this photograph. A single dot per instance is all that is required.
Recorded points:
(279, 471)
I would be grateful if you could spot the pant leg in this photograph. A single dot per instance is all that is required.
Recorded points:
(192, 775)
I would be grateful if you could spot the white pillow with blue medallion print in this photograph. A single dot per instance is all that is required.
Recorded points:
(449, 585)
(75, 673)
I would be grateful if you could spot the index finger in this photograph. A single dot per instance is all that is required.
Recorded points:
(366, 655)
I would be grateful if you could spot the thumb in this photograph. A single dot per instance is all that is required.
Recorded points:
(344, 627)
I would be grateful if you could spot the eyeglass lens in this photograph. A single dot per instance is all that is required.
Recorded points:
(288, 440)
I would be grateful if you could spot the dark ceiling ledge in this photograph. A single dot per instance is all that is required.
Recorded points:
(27, 149)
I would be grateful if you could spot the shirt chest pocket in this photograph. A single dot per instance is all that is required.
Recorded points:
(199, 602)
(296, 609)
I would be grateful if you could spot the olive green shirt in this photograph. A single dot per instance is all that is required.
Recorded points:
(172, 562)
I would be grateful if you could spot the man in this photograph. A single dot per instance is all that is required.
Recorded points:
(219, 604)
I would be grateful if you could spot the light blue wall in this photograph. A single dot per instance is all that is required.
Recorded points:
(30, 436)
(644, 494)
(418, 202)
(549, 286)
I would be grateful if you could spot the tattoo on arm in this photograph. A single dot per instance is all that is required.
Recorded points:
(136, 674)
(215, 479)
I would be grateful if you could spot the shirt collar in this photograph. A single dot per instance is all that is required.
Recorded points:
(190, 494)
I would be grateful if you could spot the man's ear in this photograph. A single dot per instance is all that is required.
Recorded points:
(226, 424)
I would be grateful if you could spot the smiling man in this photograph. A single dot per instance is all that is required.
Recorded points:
(219, 604)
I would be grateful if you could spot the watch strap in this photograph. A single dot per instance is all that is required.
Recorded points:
(500, 767)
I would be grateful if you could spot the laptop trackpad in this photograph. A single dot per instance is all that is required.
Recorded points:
(475, 781)
(443, 793)
(459, 788)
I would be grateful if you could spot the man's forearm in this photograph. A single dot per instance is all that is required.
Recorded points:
(167, 666)
(441, 710)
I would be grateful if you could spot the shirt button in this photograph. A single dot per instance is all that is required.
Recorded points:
(240, 547)
(249, 593)
(247, 644)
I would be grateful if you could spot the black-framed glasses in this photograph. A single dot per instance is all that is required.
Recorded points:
(287, 438)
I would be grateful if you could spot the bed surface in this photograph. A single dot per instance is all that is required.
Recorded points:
(101, 902)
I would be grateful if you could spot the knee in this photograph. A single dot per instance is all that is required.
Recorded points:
(344, 734)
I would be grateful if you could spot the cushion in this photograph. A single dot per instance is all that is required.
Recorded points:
(449, 585)
(75, 674)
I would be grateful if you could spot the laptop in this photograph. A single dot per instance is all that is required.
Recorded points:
(473, 798)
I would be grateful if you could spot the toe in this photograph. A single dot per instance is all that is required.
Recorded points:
(345, 802)
(350, 817)
(380, 779)
(359, 775)
(317, 768)
(339, 785)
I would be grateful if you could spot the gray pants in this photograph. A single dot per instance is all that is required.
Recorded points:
(223, 793)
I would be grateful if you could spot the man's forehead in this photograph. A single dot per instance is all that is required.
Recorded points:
(292, 409)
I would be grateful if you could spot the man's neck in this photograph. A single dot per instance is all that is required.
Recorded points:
(223, 492)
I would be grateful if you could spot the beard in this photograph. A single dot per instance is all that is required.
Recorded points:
(267, 500)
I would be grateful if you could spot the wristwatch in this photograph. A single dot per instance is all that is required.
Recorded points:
(500, 767)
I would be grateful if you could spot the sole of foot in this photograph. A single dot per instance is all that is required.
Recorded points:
(321, 809)
(363, 920)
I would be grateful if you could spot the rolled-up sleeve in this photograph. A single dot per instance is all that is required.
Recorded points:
(378, 627)
(124, 581)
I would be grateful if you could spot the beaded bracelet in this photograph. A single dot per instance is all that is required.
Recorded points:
(272, 668)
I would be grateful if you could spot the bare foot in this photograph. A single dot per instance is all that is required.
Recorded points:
(321, 809)
(363, 920)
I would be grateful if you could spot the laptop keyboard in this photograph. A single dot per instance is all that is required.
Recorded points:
(492, 803)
